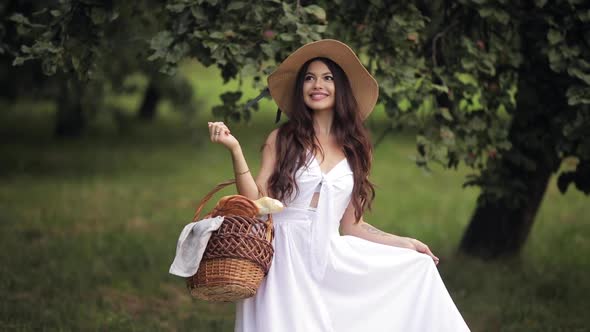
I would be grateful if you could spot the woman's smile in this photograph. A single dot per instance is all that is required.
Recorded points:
(318, 95)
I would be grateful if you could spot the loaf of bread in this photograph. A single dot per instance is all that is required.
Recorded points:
(239, 205)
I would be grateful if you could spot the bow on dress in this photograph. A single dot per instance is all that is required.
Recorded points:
(329, 211)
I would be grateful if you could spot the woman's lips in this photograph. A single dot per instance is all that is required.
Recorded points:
(318, 96)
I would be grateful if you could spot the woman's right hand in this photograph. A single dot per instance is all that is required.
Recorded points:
(422, 248)
(219, 133)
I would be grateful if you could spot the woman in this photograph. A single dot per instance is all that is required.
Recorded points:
(332, 271)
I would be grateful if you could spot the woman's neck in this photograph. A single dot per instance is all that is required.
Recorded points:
(322, 123)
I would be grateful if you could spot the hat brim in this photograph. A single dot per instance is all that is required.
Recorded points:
(365, 89)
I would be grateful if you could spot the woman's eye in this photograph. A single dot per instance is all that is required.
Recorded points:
(308, 78)
(329, 78)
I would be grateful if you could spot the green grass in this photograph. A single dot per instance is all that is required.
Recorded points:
(88, 228)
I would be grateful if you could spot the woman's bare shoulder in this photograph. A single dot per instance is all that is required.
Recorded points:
(272, 137)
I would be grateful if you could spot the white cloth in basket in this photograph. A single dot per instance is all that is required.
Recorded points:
(320, 281)
(191, 245)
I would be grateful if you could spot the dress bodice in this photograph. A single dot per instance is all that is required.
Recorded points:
(310, 179)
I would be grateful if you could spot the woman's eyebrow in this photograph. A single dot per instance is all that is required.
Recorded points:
(326, 73)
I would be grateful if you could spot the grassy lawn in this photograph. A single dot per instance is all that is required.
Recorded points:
(88, 228)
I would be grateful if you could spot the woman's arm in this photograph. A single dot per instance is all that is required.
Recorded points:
(368, 232)
(245, 183)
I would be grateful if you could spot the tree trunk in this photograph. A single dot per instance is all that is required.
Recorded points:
(70, 117)
(147, 111)
(500, 227)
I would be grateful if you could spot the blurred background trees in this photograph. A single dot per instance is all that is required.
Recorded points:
(87, 48)
(502, 87)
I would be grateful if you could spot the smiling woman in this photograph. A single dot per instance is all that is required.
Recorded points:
(331, 270)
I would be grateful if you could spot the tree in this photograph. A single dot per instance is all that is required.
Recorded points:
(91, 47)
(500, 86)
(551, 122)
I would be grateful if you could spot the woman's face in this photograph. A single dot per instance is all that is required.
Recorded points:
(318, 87)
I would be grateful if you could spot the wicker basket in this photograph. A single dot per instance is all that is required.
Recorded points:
(237, 257)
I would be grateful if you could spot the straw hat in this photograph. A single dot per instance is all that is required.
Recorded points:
(281, 82)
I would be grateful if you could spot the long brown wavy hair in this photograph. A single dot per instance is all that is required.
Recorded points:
(296, 136)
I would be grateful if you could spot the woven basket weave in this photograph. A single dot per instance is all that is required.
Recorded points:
(237, 257)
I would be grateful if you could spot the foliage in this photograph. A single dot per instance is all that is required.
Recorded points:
(435, 76)
(243, 39)
(448, 69)
(451, 71)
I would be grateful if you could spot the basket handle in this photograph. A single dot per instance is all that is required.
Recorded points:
(209, 195)
(270, 228)
(217, 188)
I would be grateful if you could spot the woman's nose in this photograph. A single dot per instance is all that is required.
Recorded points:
(317, 84)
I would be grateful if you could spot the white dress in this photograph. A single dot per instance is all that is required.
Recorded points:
(321, 281)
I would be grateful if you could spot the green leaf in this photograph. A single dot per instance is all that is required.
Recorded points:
(540, 3)
(554, 37)
(487, 67)
(198, 13)
(576, 72)
(176, 7)
(404, 104)
(463, 104)
(168, 70)
(42, 46)
(418, 83)
(426, 107)
(466, 78)
(584, 15)
(500, 15)
(76, 63)
(320, 28)
(502, 112)
(19, 18)
(231, 97)
(317, 11)
(287, 9)
(268, 50)
(578, 95)
(440, 88)
(476, 101)
(468, 64)
(236, 5)
(162, 40)
(512, 93)
(286, 37)
(444, 111)
(20, 60)
(447, 136)
(440, 152)
(217, 35)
